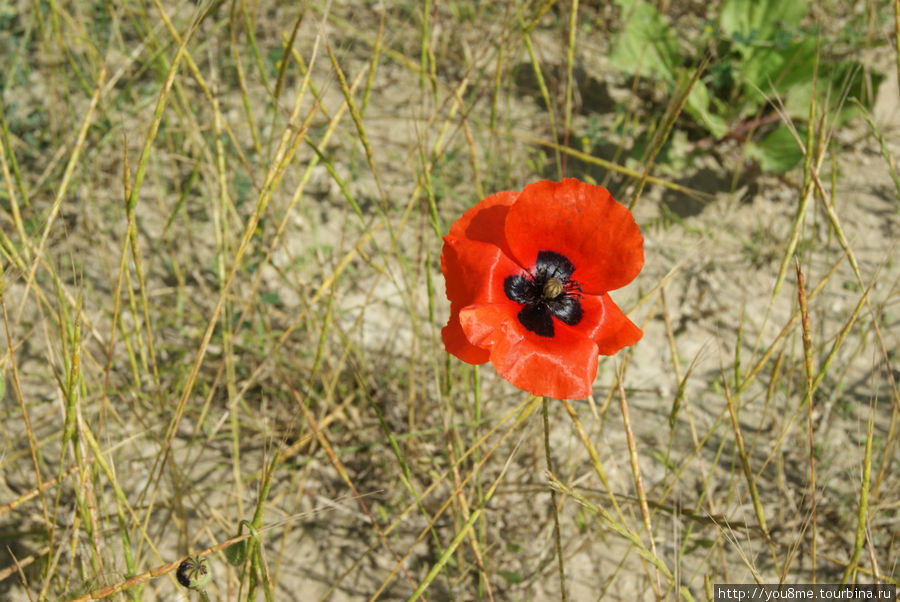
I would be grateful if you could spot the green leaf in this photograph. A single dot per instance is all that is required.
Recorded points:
(647, 45)
(748, 21)
(771, 72)
(697, 106)
(837, 81)
(236, 553)
(778, 152)
(512, 577)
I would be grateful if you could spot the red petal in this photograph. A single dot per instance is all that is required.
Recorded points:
(484, 221)
(582, 222)
(563, 366)
(606, 324)
(455, 341)
(473, 273)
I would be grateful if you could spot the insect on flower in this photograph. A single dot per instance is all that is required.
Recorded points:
(528, 275)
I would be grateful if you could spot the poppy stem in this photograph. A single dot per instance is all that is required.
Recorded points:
(595, 457)
(556, 533)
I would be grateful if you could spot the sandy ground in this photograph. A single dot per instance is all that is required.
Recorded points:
(718, 265)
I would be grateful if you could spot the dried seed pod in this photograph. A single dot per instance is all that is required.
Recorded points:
(193, 573)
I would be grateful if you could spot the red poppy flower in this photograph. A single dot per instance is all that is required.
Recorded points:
(528, 275)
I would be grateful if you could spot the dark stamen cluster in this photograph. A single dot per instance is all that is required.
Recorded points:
(548, 293)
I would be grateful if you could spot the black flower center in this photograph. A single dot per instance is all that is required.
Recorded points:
(546, 293)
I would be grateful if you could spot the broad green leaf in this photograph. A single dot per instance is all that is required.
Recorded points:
(777, 152)
(647, 45)
(836, 83)
(749, 21)
(697, 106)
(771, 73)
(788, 74)
(771, 70)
